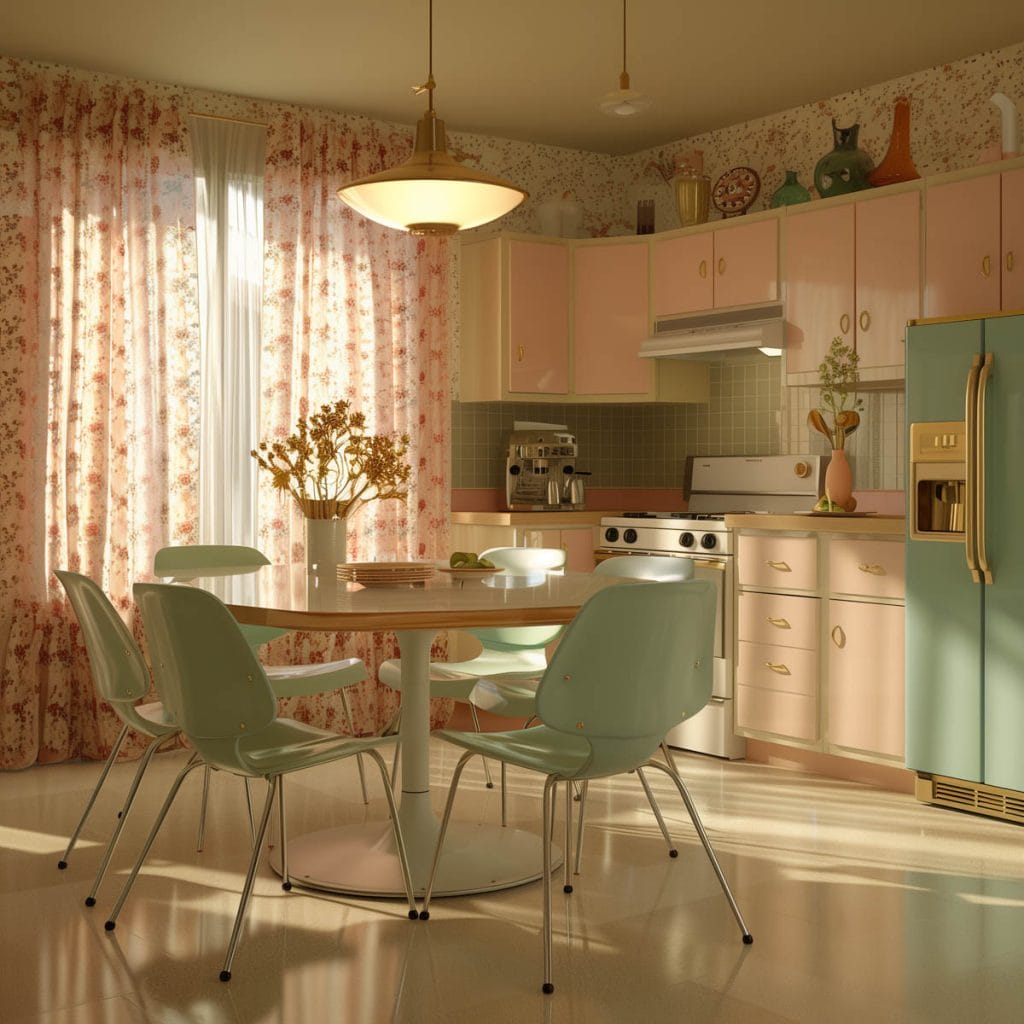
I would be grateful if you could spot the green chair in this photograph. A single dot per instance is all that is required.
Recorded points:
(634, 662)
(208, 674)
(514, 653)
(187, 562)
(121, 678)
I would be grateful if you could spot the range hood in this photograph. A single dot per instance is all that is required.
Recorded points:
(708, 334)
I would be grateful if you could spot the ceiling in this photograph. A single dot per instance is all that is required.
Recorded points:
(530, 69)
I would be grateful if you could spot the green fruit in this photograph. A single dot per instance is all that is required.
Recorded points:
(486, 563)
(824, 505)
(457, 558)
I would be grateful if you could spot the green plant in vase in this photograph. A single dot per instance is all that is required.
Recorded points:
(837, 418)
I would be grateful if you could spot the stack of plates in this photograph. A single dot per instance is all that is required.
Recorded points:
(385, 574)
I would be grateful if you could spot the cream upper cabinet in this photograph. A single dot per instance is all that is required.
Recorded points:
(610, 320)
(852, 271)
(975, 245)
(729, 266)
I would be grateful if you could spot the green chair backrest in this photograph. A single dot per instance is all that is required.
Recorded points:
(522, 561)
(661, 568)
(119, 671)
(634, 662)
(204, 669)
(187, 561)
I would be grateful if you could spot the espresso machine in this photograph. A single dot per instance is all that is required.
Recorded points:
(540, 470)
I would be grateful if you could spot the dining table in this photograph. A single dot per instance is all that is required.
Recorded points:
(360, 858)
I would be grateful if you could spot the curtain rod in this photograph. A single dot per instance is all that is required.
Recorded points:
(233, 120)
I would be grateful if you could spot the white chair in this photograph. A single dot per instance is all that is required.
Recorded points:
(510, 652)
(187, 562)
(634, 662)
(208, 675)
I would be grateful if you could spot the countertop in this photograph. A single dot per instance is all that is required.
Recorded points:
(538, 519)
(874, 524)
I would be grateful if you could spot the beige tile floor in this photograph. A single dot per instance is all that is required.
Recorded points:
(865, 907)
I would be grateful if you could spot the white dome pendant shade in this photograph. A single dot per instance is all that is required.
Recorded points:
(624, 101)
(431, 193)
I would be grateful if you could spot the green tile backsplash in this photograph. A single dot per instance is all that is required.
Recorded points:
(749, 412)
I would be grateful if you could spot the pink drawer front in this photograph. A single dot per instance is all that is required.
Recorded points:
(768, 561)
(872, 568)
(779, 619)
(771, 667)
(784, 714)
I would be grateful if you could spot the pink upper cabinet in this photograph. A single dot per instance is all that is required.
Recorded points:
(962, 249)
(538, 318)
(747, 264)
(682, 276)
(1013, 240)
(610, 316)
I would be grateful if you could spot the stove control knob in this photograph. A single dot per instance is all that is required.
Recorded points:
(686, 540)
(802, 470)
(708, 541)
(611, 534)
(629, 536)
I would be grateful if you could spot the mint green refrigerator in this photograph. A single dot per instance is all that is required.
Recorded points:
(965, 563)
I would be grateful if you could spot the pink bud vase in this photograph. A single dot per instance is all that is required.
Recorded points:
(839, 479)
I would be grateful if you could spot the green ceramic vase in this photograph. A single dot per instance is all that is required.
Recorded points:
(846, 168)
(790, 192)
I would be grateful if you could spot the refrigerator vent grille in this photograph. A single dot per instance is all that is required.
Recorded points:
(969, 796)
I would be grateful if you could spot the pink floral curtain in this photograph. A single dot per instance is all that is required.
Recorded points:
(99, 370)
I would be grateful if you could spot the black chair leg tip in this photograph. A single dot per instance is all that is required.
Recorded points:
(748, 939)
(225, 975)
(61, 865)
(424, 915)
(547, 988)
(414, 915)
(673, 853)
(566, 889)
(110, 925)
(90, 901)
(287, 886)
(490, 785)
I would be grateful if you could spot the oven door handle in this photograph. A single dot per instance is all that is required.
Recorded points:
(710, 563)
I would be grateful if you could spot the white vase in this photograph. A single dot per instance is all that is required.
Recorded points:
(325, 544)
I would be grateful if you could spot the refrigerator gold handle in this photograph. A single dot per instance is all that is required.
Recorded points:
(979, 471)
(970, 530)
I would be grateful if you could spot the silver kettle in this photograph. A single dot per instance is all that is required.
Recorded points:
(554, 496)
(576, 489)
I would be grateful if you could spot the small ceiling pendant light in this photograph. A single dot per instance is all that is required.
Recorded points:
(431, 194)
(624, 101)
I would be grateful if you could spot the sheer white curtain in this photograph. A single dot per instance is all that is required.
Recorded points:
(229, 168)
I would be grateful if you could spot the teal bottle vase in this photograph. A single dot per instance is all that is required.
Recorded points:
(846, 168)
(790, 192)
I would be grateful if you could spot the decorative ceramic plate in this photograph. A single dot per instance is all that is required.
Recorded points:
(468, 574)
(735, 191)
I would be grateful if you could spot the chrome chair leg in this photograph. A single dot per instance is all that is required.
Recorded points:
(359, 757)
(452, 787)
(567, 856)
(669, 758)
(706, 843)
(393, 727)
(579, 826)
(90, 900)
(504, 794)
(672, 851)
(549, 814)
(250, 877)
(111, 922)
(286, 882)
(63, 862)
(202, 809)
(403, 857)
(248, 807)
(476, 726)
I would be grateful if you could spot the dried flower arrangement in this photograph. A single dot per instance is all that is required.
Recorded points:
(839, 376)
(331, 466)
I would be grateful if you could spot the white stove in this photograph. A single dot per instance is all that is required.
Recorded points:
(716, 486)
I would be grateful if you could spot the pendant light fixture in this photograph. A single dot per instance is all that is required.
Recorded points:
(624, 101)
(431, 194)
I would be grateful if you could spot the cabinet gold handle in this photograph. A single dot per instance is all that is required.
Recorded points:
(721, 264)
(778, 667)
(838, 637)
(986, 265)
(1009, 259)
(872, 569)
(520, 353)
(864, 320)
(778, 566)
(780, 623)
(844, 323)
(702, 268)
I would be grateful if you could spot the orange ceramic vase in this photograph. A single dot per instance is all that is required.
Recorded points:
(897, 165)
